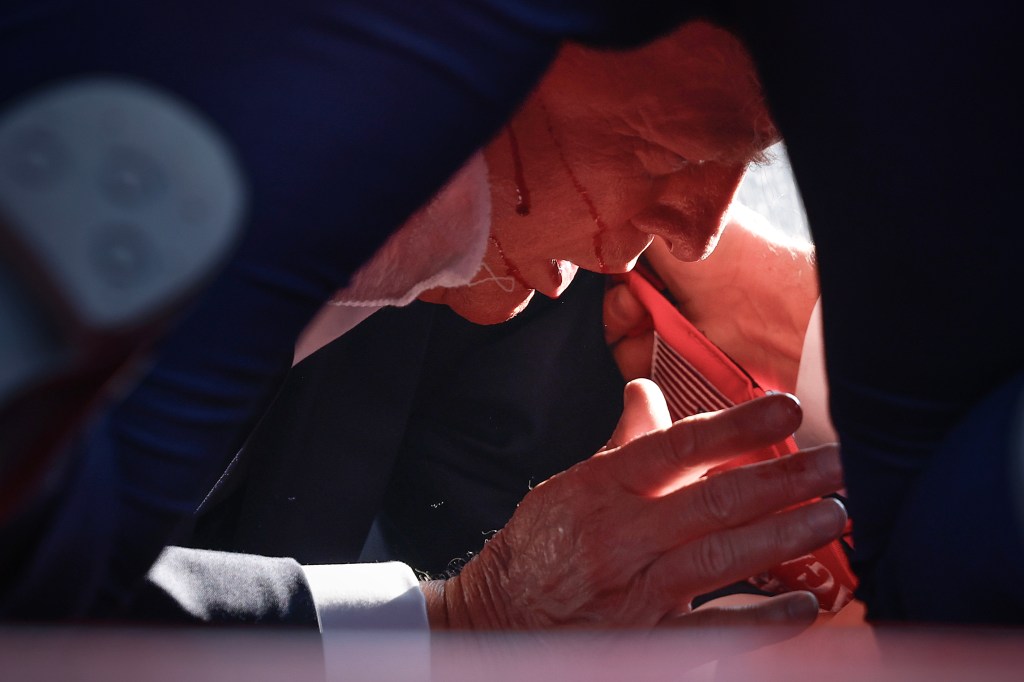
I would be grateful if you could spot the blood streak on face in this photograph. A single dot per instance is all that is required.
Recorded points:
(612, 149)
(582, 192)
(522, 191)
(510, 267)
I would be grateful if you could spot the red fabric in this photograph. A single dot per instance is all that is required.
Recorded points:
(697, 376)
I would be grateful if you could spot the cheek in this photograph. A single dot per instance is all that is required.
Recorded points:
(602, 237)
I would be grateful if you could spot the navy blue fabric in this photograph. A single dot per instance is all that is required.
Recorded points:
(905, 142)
(311, 477)
(957, 550)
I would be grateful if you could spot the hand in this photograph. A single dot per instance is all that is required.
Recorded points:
(630, 536)
(623, 315)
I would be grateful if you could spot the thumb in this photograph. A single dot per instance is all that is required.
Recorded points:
(643, 410)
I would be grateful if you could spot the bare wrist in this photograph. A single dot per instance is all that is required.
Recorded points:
(468, 601)
(437, 609)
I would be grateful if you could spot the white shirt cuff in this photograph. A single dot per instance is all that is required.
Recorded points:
(367, 596)
(352, 601)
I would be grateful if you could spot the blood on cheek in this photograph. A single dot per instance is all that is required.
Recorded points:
(510, 267)
(522, 192)
(602, 227)
(523, 208)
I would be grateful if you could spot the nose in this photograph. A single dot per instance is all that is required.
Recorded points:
(688, 207)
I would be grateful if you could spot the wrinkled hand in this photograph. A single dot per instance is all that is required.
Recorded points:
(630, 536)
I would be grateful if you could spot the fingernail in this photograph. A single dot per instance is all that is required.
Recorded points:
(786, 410)
(791, 396)
(828, 518)
(803, 608)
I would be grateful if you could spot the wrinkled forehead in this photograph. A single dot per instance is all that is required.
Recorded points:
(697, 82)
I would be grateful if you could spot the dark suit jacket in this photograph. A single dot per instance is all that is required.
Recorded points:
(200, 586)
(434, 425)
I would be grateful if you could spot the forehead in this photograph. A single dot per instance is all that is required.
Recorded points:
(695, 87)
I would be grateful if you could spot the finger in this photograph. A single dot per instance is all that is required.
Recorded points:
(643, 410)
(738, 496)
(723, 633)
(721, 558)
(633, 356)
(798, 610)
(623, 313)
(657, 462)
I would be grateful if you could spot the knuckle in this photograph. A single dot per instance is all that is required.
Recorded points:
(787, 479)
(791, 481)
(787, 537)
(696, 434)
(646, 588)
(719, 500)
(674, 446)
(715, 556)
(686, 440)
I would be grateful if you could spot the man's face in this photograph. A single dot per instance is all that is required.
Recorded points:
(610, 150)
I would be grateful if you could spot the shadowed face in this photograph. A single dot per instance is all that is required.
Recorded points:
(611, 149)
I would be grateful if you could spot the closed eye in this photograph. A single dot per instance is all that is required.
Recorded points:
(658, 160)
